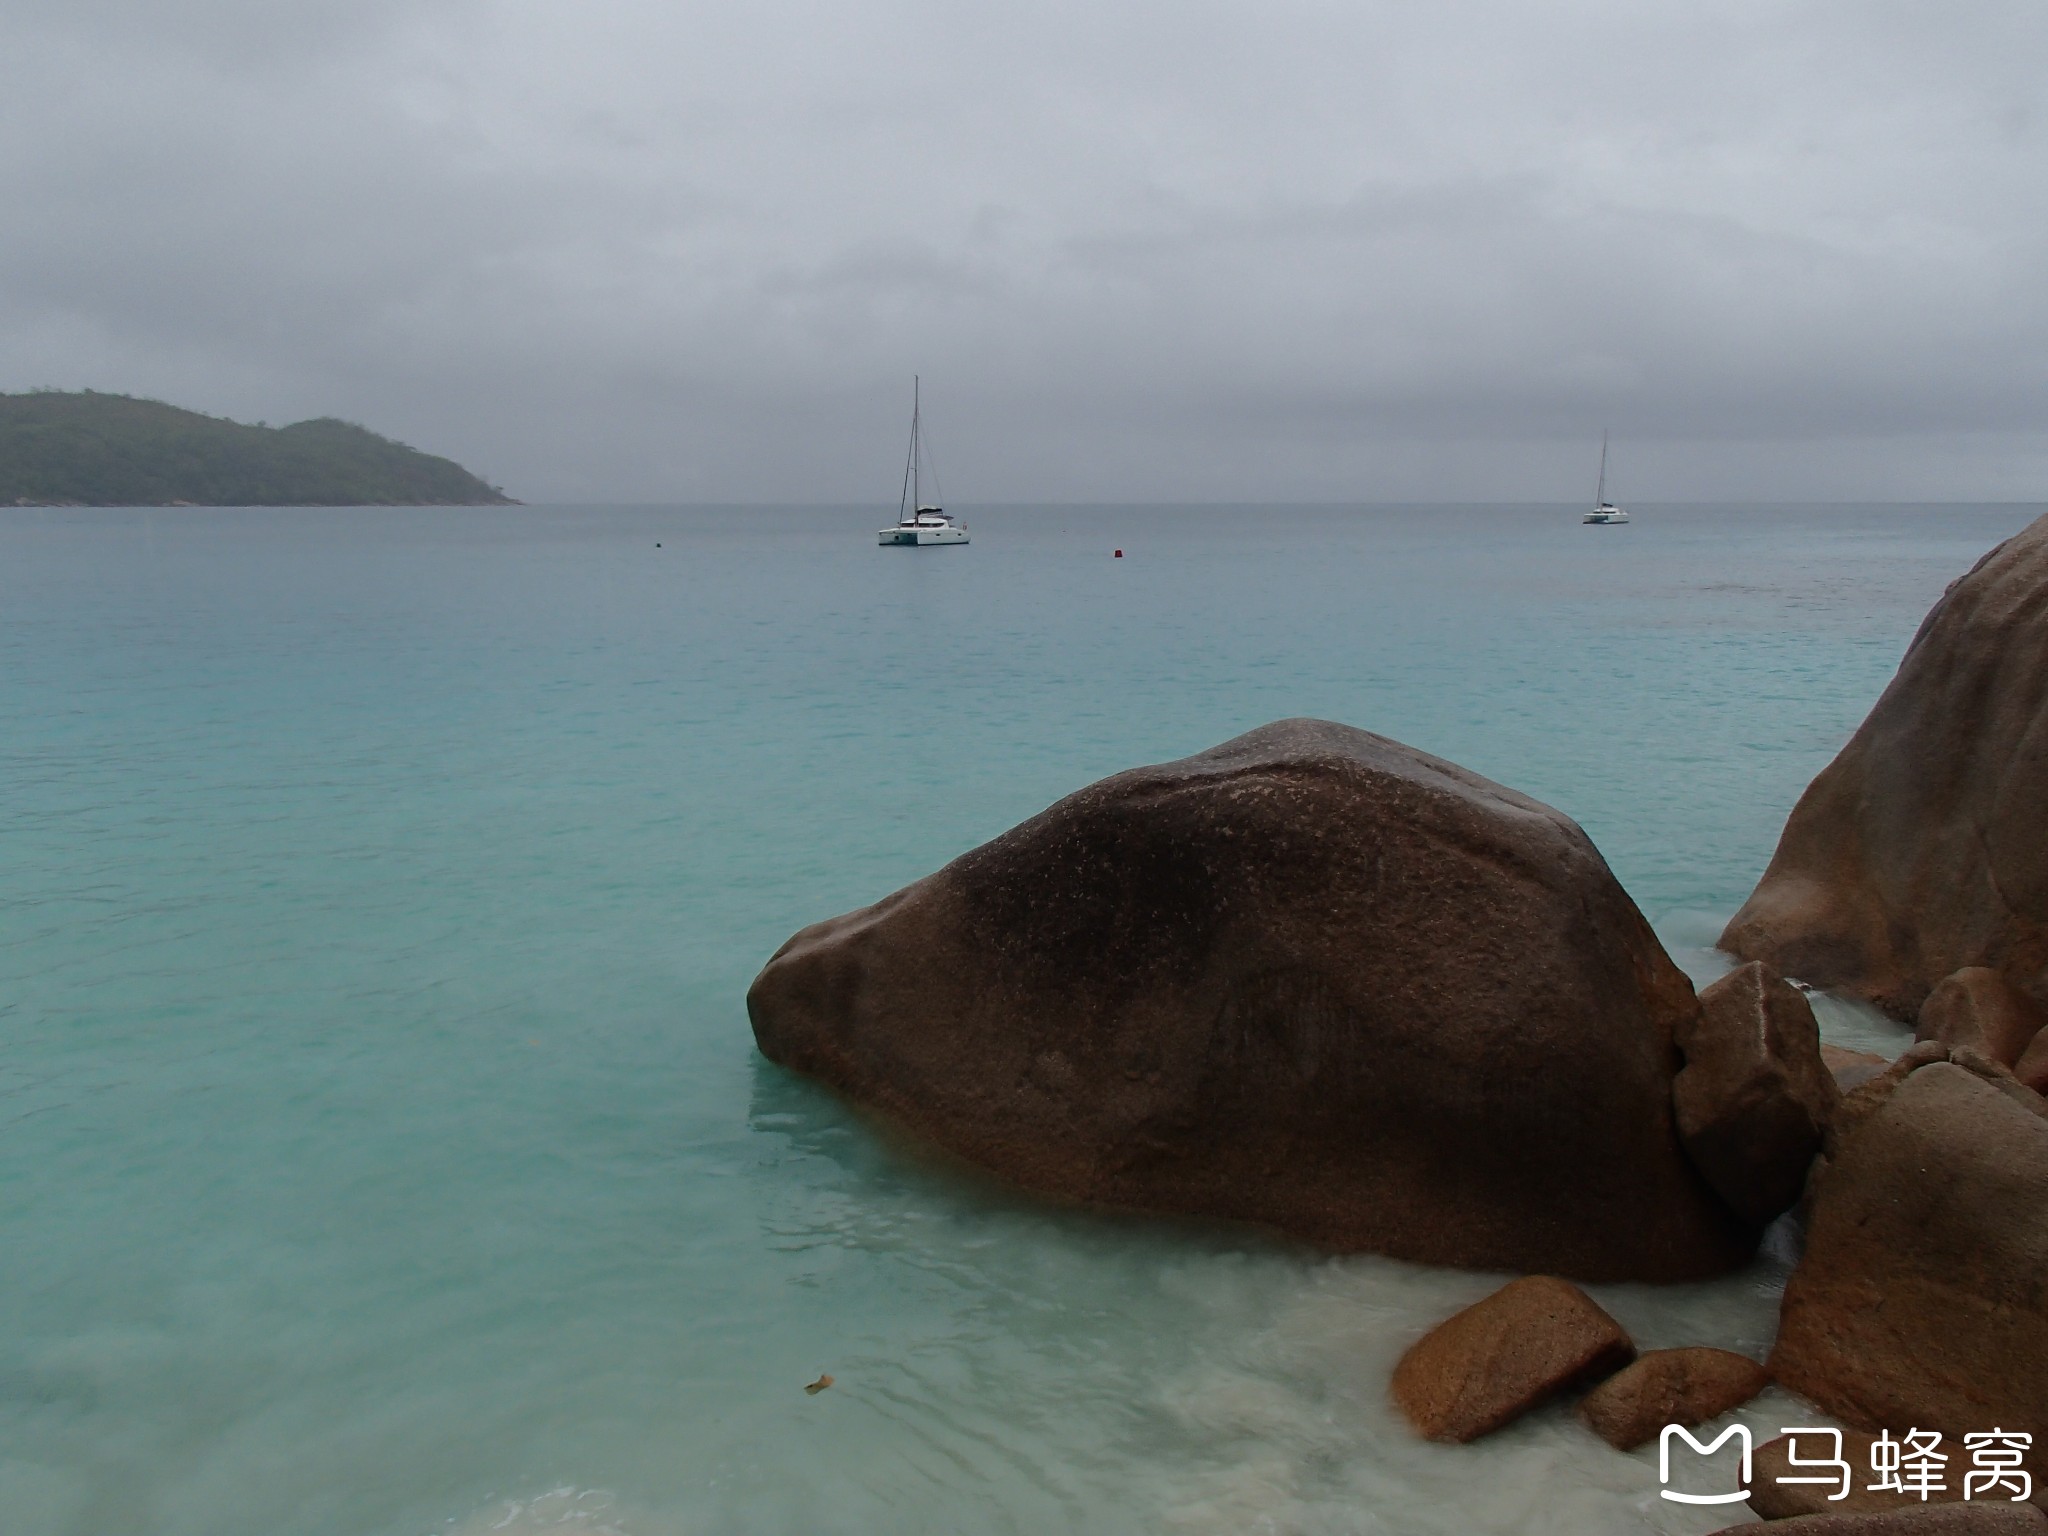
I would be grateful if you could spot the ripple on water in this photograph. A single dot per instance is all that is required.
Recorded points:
(381, 1136)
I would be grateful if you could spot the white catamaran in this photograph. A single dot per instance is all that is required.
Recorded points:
(917, 523)
(1604, 511)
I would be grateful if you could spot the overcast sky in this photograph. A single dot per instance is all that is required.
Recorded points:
(657, 250)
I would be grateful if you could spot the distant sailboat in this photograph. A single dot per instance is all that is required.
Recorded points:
(915, 522)
(1604, 511)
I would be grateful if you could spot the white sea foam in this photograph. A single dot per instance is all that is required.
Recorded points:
(558, 1512)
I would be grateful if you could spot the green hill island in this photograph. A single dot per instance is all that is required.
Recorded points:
(94, 450)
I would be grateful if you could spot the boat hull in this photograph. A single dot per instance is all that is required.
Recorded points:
(917, 537)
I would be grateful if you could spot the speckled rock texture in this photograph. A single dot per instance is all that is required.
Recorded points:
(1755, 1096)
(1923, 1520)
(1311, 978)
(1977, 1007)
(1670, 1386)
(1920, 1300)
(1486, 1366)
(1923, 847)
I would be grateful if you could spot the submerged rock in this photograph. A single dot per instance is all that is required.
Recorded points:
(1491, 1363)
(1310, 978)
(1919, 1301)
(1670, 1386)
(1755, 1095)
(1923, 847)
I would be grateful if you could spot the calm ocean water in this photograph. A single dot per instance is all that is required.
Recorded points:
(383, 1150)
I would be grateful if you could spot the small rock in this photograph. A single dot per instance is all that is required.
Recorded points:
(1979, 1008)
(1491, 1363)
(1754, 1096)
(1973, 1519)
(1850, 1069)
(1670, 1386)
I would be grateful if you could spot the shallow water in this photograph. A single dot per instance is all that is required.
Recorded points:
(382, 1146)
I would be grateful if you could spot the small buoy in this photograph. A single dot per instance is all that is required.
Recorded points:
(815, 1387)
(1119, 554)
(657, 543)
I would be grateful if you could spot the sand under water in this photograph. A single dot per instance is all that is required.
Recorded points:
(382, 1146)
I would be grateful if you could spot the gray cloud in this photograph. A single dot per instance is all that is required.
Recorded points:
(620, 248)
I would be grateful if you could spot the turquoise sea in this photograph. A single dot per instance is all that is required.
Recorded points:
(383, 1150)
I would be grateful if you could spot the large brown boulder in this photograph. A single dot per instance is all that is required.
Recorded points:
(1491, 1363)
(1755, 1095)
(1923, 847)
(1920, 1301)
(1310, 978)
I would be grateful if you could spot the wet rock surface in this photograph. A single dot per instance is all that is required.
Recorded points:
(1311, 978)
(2032, 1067)
(1754, 1096)
(1488, 1365)
(1870, 1096)
(1929, 1520)
(1978, 1008)
(1851, 1069)
(1923, 847)
(1920, 1299)
(1669, 1386)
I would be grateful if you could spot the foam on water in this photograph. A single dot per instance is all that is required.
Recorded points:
(382, 1147)
(576, 1511)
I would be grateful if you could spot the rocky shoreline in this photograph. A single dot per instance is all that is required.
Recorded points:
(1321, 981)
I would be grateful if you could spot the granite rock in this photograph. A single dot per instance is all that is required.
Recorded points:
(1923, 847)
(1311, 978)
(1754, 1097)
(1488, 1365)
(1919, 1301)
(1979, 1009)
(1669, 1386)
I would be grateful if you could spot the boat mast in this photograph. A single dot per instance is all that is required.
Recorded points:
(906, 510)
(916, 468)
(1600, 495)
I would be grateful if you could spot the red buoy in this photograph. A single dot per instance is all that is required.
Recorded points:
(1119, 554)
